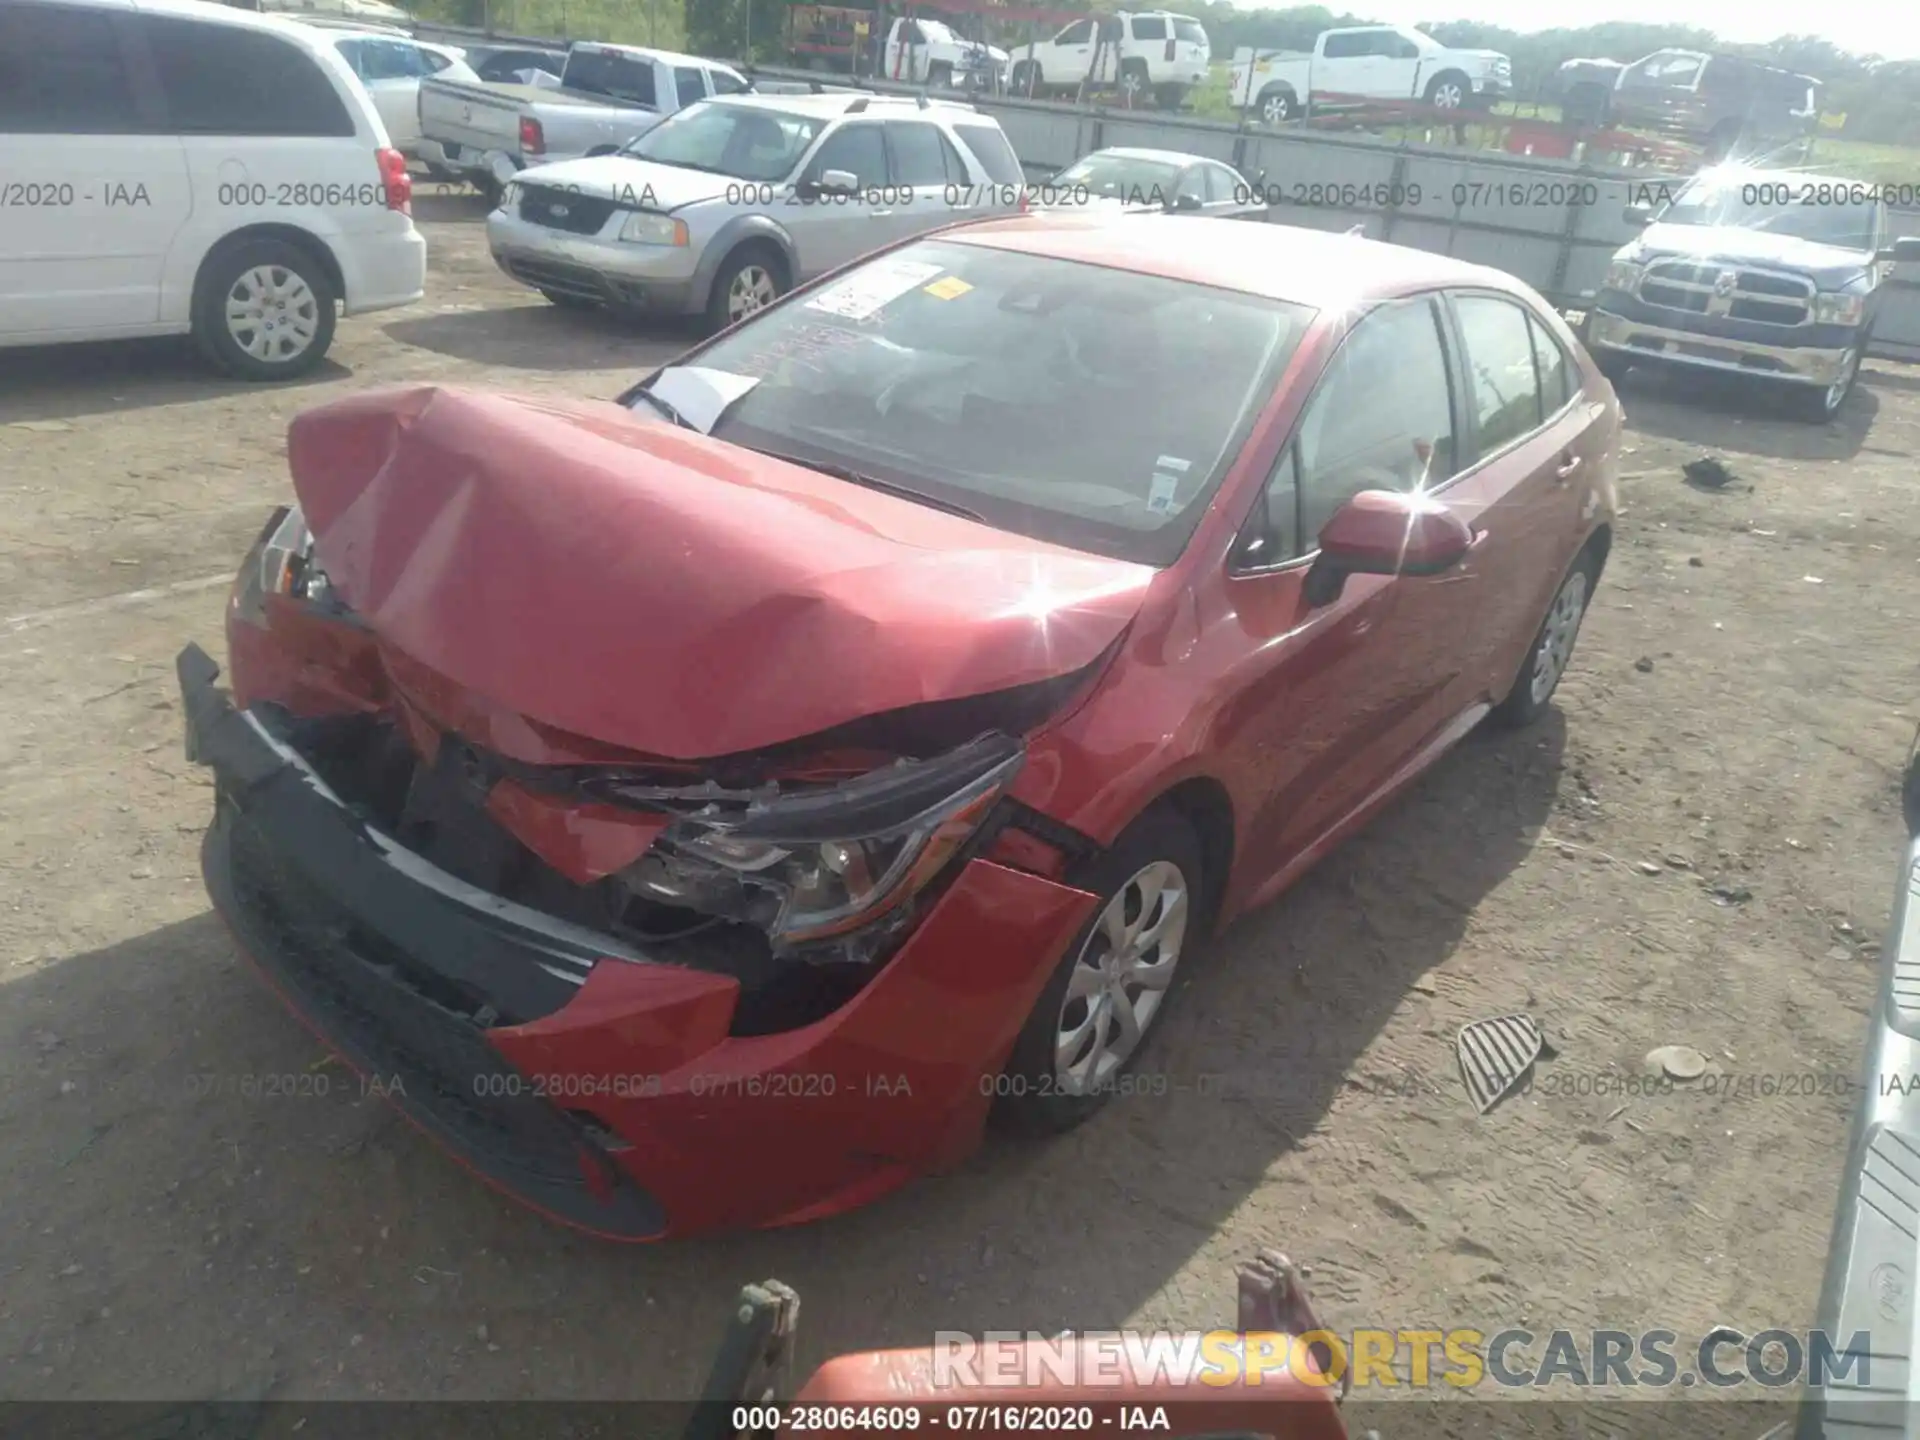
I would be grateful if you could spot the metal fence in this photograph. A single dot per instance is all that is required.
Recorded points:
(1552, 223)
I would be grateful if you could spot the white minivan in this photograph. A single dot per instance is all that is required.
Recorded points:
(174, 167)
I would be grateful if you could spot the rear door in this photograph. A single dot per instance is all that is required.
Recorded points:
(998, 167)
(1535, 450)
(689, 86)
(1397, 73)
(92, 189)
(925, 170)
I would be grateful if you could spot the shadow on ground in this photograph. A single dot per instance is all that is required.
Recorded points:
(50, 383)
(263, 1227)
(545, 337)
(1742, 416)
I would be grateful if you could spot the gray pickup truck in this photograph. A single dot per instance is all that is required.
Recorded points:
(607, 95)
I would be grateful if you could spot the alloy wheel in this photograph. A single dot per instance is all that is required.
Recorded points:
(1121, 977)
(752, 290)
(1836, 395)
(1448, 96)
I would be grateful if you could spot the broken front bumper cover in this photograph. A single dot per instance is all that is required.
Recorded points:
(374, 949)
(586, 1080)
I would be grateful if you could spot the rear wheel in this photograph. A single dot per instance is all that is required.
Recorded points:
(940, 75)
(1611, 364)
(1028, 79)
(1552, 647)
(1134, 82)
(1170, 97)
(263, 310)
(1278, 105)
(1111, 988)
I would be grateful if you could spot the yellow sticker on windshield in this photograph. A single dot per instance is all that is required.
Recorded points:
(951, 288)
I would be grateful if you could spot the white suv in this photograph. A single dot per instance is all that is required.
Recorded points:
(1150, 52)
(177, 167)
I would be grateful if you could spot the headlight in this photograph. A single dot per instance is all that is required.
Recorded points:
(1623, 273)
(1844, 307)
(280, 563)
(822, 864)
(643, 227)
(510, 197)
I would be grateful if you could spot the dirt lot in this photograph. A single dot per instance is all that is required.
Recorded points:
(162, 1241)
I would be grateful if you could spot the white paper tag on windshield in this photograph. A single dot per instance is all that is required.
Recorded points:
(699, 393)
(859, 296)
(1160, 497)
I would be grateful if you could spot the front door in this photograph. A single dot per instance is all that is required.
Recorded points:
(1349, 689)
(830, 230)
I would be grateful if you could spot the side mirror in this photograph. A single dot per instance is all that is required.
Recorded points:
(1185, 204)
(839, 182)
(1904, 251)
(1382, 532)
(1638, 214)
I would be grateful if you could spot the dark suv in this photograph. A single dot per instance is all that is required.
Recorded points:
(1777, 275)
(1724, 102)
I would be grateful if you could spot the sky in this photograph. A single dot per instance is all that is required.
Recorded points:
(1885, 27)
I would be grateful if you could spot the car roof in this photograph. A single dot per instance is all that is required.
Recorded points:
(672, 57)
(1172, 157)
(1746, 175)
(1281, 262)
(835, 103)
(313, 38)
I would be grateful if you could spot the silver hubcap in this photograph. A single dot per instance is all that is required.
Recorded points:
(1276, 109)
(1837, 392)
(1447, 97)
(1556, 640)
(752, 290)
(1130, 82)
(1120, 977)
(272, 313)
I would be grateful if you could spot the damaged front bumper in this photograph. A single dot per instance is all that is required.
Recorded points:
(593, 1083)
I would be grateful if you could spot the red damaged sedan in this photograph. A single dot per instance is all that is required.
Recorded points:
(703, 810)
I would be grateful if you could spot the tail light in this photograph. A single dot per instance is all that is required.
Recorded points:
(395, 183)
(1026, 200)
(533, 140)
(1169, 47)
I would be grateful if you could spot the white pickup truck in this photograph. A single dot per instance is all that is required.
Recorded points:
(1368, 62)
(607, 96)
(929, 52)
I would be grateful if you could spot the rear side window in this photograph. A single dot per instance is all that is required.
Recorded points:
(1555, 370)
(1149, 27)
(1499, 359)
(224, 80)
(990, 148)
(858, 150)
(434, 61)
(61, 73)
(601, 72)
(688, 85)
(923, 156)
(1190, 31)
(727, 83)
(1346, 47)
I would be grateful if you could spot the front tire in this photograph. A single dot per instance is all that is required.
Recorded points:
(940, 76)
(264, 310)
(1822, 407)
(1449, 91)
(1552, 647)
(749, 280)
(1109, 992)
(1170, 97)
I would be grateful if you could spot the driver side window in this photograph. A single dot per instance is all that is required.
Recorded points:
(1078, 33)
(858, 149)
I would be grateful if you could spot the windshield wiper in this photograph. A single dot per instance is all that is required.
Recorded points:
(666, 408)
(874, 482)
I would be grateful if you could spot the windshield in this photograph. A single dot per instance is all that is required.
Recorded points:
(1804, 210)
(1079, 405)
(1123, 177)
(739, 140)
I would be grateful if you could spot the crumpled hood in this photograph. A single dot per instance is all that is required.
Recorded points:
(652, 588)
(1828, 266)
(638, 184)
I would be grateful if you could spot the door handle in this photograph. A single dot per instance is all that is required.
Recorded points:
(1564, 470)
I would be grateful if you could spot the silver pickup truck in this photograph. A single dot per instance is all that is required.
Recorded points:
(607, 95)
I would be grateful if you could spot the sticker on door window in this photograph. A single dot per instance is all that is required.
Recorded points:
(858, 297)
